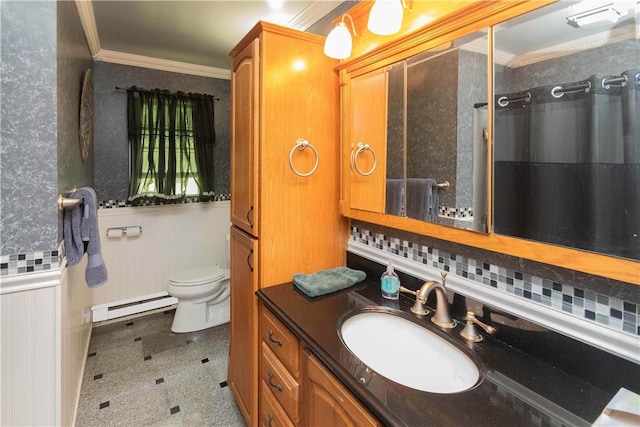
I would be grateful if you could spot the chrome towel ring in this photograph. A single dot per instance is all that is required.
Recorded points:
(301, 144)
(362, 147)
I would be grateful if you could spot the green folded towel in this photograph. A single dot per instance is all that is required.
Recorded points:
(326, 281)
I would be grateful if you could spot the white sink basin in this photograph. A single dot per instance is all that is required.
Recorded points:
(408, 353)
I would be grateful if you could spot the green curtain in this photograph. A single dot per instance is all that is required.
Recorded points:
(204, 137)
(171, 137)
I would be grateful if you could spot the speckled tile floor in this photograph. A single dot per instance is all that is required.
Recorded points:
(139, 373)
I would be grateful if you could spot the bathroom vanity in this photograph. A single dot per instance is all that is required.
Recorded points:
(288, 365)
(299, 339)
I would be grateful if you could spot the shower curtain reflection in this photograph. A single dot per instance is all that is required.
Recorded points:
(567, 164)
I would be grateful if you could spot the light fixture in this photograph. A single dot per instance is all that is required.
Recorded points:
(275, 4)
(604, 13)
(338, 43)
(385, 17)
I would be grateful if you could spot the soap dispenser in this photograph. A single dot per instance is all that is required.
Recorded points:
(390, 283)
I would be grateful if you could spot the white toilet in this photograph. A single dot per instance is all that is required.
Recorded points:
(203, 297)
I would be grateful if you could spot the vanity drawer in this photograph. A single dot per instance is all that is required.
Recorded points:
(282, 385)
(271, 413)
(281, 341)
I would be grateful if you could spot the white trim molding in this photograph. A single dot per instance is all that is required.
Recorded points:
(312, 14)
(161, 64)
(88, 20)
(31, 281)
(589, 42)
(616, 342)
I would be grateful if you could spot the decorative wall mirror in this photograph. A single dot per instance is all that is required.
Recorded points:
(434, 167)
(567, 127)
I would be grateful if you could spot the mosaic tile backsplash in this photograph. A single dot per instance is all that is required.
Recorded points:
(583, 303)
(29, 263)
(109, 204)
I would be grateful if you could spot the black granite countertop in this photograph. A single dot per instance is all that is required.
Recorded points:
(516, 390)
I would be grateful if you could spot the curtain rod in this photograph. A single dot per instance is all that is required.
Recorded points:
(126, 89)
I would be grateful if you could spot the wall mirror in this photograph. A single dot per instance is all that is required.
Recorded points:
(436, 147)
(567, 127)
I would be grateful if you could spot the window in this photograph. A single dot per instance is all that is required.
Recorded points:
(171, 139)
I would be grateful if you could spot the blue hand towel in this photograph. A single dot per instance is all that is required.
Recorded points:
(422, 199)
(73, 245)
(81, 234)
(327, 281)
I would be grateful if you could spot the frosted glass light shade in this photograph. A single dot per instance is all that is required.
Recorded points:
(385, 17)
(338, 43)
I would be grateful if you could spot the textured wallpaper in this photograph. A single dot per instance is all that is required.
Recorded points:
(74, 59)
(43, 59)
(28, 129)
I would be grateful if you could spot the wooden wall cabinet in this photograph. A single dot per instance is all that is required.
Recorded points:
(244, 316)
(371, 53)
(283, 89)
(244, 150)
(365, 116)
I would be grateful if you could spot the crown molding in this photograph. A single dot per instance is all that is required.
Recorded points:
(161, 64)
(312, 14)
(88, 21)
(601, 39)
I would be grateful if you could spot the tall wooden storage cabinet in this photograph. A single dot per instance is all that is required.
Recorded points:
(284, 95)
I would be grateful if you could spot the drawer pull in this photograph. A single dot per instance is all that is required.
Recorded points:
(270, 417)
(249, 212)
(250, 260)
(276, 386)
(275, 341)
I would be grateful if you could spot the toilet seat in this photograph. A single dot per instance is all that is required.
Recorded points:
(199, 275)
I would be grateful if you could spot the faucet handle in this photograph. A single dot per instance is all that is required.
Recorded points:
(419, 306)
(407, 290)
(471, 333)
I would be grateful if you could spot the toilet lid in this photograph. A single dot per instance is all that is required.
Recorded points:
(209, 273)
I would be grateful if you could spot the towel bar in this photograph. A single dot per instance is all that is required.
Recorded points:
(301, 144)
(64, 202)
(362, 147)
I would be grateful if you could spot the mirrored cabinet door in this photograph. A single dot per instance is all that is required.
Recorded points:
(567, 127)
(436, 135)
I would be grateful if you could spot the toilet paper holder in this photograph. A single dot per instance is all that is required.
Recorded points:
(129, 230)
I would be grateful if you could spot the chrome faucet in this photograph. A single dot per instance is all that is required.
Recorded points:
(442, 316)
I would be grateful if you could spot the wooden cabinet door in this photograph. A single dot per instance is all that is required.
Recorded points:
(328, 402)
(368, 124)
(243, 351)
(244, 134)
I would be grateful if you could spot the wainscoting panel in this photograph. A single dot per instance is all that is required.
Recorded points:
(173, 237)
(30, 349)
(76, 301)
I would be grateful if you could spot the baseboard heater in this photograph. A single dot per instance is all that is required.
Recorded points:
(126, 307)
